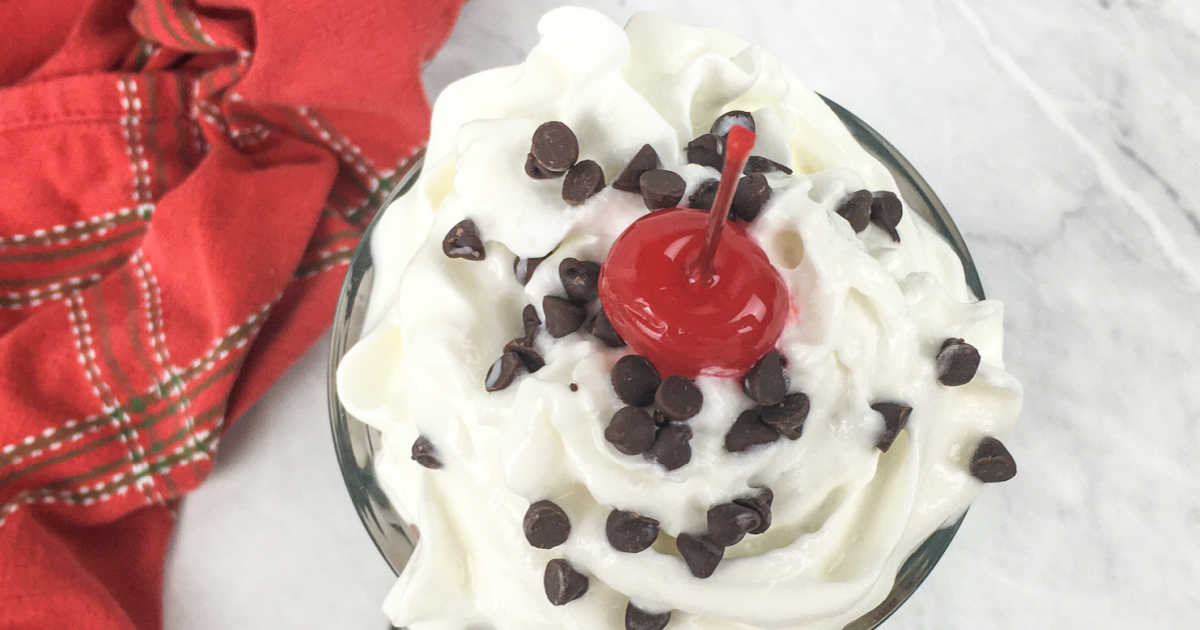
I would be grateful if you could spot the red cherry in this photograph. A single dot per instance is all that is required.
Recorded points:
(654, 300)
(690, 293)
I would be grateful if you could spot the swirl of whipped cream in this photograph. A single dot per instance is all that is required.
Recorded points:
(874, 315)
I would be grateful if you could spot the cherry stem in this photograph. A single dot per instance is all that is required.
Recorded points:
(738, 144)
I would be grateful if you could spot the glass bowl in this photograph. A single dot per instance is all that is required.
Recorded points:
(357, 443)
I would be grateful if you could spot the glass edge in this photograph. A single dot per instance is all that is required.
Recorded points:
(913, 186)
(360, 482)
(905, 173)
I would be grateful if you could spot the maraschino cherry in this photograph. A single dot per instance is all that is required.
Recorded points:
(692, 294)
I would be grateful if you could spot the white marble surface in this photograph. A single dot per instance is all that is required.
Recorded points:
(1064, 136)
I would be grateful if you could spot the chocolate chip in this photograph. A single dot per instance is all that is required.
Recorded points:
(462, 241)
(562, 316)
(765, 383)
(672, 448)
(583, 180)
(554, 146)
(424, 454)
(895, 416)
(638, 619)
(991, 462)
(856, 210)
(701, 553)
(602, 329)
(530, 321)
(579, 279)
(726, 121)
(957, 362)
(751, 195)
(706, 192)
(760, 164)
(760, 502)
(530, 357)
(523, 268)
(728, 523)
(631, 431)
(546, 525)
(563, 583)
(788, 416)
(535, 171)
(635, 380)
(645, 159)
(886, 211)
(707, 150)
(503, 372)
(573, 387)
(630, 532)
(661, 188)
(678, 398)
(748, 431)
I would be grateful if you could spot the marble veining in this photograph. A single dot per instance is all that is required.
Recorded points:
(1065, 139)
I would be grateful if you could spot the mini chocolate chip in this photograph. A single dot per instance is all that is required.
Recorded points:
(573, 387)
(579, 279)
(895, 417)
(503, 372)
(706, 192)
(583, 180)
(992, 463)
(707, 150)
(957, 362)
(678, 398)
(748, 431)
(530, 321)
(635, 380)
(728, 523)
(535, 170)
(630, 532)
(546, 525)
(646, 159)
(765, 383)
(554, 146)
(462, 241)
(788, 416)
(530, 357)
(638, 619)
(751, 195)
(760, 164)
(661, 188)
(886, 211)
(672, 448)
(856, 210)
(562, 316)
(760, 502)
(631, 431)
(523, 268)
(563, 583)
(726, 121)
(602, 329)
(701, 553)
(424, 454)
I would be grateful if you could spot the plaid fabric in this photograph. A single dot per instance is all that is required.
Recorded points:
(180, 189)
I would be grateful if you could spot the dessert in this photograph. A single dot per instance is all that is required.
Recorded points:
(653, 343)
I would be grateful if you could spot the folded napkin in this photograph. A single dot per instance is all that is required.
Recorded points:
(181, 187)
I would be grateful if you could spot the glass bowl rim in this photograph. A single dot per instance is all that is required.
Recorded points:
(355, 442)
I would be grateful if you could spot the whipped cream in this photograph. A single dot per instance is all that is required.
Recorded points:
(874, 314)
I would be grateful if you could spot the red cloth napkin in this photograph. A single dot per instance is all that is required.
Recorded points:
(180, 189)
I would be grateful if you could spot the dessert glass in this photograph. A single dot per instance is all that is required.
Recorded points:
(356, 443)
